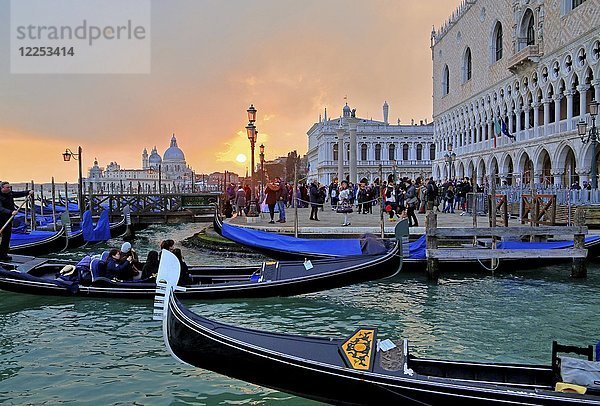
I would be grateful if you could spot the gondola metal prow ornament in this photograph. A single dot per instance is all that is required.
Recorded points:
(166, 283)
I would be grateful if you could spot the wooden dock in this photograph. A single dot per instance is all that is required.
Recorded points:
(577, 253)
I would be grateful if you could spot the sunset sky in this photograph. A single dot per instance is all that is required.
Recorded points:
(210, 60)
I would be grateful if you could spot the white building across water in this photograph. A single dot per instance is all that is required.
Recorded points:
(366, 144)
(533, 65)
(170, 171)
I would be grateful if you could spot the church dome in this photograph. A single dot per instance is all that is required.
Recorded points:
(154, 157)
(347, 110)
(173, 153)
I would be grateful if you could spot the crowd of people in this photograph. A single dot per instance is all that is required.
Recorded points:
(404, 198)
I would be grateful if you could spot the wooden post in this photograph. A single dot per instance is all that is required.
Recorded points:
(54, 219)
(579, 268)
(381, 202)
(32, 202)
(91, 197)
(431, 243)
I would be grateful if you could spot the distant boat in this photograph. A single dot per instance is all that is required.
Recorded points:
(363, 368)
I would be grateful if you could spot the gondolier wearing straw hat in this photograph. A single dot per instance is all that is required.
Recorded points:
(8, 210)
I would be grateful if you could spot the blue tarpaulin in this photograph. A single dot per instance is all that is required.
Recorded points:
(101, 232)
(273, 241)
(17, 239)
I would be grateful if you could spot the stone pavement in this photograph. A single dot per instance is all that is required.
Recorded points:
(331, 222)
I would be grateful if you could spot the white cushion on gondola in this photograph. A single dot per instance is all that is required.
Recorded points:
(580, 372)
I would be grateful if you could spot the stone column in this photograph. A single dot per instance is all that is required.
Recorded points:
(569, 110)
(536, 118)
(546, 115)
(510, 122)
(353, 122)
(340, 134)
(518, 124)
(557, 178)
(526, 109)
(557, 99)
(582, 100)
(596, 84)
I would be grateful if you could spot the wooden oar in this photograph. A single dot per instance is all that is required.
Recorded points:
(12, 216)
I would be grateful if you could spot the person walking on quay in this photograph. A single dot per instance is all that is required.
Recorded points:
(240, 201)
(432, 194)
(412, 202)
(334, 193)
(344, 206)
(271, 199)
(313, 196)
(7, 211)
(282, 196)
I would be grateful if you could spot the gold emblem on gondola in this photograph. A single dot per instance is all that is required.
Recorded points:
(358, 349)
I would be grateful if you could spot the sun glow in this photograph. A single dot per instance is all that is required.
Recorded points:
(241, 158)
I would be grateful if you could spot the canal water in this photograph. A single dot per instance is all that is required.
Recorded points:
(85, 351)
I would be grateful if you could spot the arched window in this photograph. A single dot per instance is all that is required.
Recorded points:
(378, 152)
(348, 152)
(363, 152)
(498, 42)
(405, 152)
(432, 152)
(335, 152)
(467, 66)
(530, 32)
(419, 152)
(392, 152)
(445, 81)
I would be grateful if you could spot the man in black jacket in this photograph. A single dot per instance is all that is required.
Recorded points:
(7, 210)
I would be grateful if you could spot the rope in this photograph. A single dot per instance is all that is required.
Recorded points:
(355, 201)
(489, 269)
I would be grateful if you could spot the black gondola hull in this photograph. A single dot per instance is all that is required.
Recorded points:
(279, 279)
(313, 368)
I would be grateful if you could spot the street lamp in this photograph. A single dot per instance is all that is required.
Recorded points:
(252, 135)
(262, 170)
(450, 157)
(592, 137)
(76, 156)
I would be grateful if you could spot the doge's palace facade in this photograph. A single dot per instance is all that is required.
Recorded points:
(532, 64)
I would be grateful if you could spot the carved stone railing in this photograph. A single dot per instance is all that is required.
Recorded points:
(525, 57)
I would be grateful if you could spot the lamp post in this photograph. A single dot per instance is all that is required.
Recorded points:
(76, 156)
(262, 170)
(252, 135)
(450, 157)
(592, 137)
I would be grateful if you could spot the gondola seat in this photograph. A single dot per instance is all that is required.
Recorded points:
(97, 269)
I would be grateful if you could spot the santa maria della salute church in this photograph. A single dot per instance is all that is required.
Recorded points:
(170, 172)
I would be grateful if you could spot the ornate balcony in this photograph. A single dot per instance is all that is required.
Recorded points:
(528, 56)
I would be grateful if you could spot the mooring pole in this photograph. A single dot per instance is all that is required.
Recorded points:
(579, 268)
(54, 220)
(431, 244)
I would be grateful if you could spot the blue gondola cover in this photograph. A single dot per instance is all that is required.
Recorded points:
(99, 233)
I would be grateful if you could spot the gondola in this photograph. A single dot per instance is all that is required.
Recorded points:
(43, 276)
(37, 242)
(361, 369)
(288, 247)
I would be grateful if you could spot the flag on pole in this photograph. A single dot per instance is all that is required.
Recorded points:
(505, 130)
(497, 130)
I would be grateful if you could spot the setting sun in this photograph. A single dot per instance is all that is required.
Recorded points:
(241, 158)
